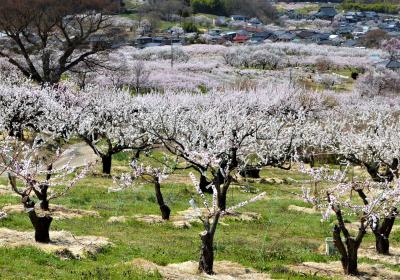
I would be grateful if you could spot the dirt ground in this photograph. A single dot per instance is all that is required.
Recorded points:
(63, 243)
(354, 226)
(185, 219)
(370, 253)
(58, 212)
(6, 190)
(305, 210)
(224, 270)
(334, 269)
(78, 154)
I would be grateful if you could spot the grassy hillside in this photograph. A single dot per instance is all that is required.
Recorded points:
(280, 238)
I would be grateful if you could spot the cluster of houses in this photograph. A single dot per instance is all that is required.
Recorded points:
(346, 29)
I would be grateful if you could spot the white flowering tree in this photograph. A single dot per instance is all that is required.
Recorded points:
(210, 219)
(23, 106)
(220, 134)
(211, 132)
(153, 173)
(28, 109)
(364, 132)
(376, 207)
(29, 164)
(361, 131)
(106, 119)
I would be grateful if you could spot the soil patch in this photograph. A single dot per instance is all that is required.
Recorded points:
(63, 243)
(186, 218)
(224, 270)
(6, 190)
(77, 155)
(178, 179)
(370, 253)
(303, 209)
(334, 269)
(58, 212)
(117, 219)
(354, 226)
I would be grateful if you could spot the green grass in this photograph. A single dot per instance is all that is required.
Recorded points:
(308, 9)
(278, 239)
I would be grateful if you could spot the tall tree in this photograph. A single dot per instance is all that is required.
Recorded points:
(51, 37)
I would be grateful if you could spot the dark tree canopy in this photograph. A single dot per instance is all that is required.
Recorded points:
(50, 37)
(250, 8)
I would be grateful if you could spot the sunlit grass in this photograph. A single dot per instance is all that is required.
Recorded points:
(278, 239)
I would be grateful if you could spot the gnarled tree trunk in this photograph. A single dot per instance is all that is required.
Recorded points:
(389, 174)
(204, 183)
(381, 230)
(382, 233)
(106, 163)
(349, 249)
(165, 210)
(348, 252)
(222, 201)
(382, 244)
(206, 262)
(41, 226)
(207, 252)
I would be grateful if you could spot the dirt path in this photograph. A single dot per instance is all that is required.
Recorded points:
(78, 154)
(224, 270)
(63, 243)
(335, 270)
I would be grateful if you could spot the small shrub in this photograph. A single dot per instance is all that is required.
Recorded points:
(354, 75)
(323, 64)
(190, 27)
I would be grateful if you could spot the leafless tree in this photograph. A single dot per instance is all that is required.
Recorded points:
(50, 37)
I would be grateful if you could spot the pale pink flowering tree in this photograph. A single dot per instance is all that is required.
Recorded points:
(392, 46)
(23, 106)
(210, 219)
(365, 133)
(27, 163)
(376, 208)
(220, 133)
(154, 174)
(106, 119)
(210, 132)
(378, 81)
(29, 109)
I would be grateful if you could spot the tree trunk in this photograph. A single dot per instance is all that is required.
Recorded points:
(348, 252)
(165, 211)
(41, 226)
(106, 160)
(44, 205)
(382, 244)
(204, 183)
(250, 172)
(17, 133)
(207, 253)
(382, 233)
(222, 201)
(349, 263)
